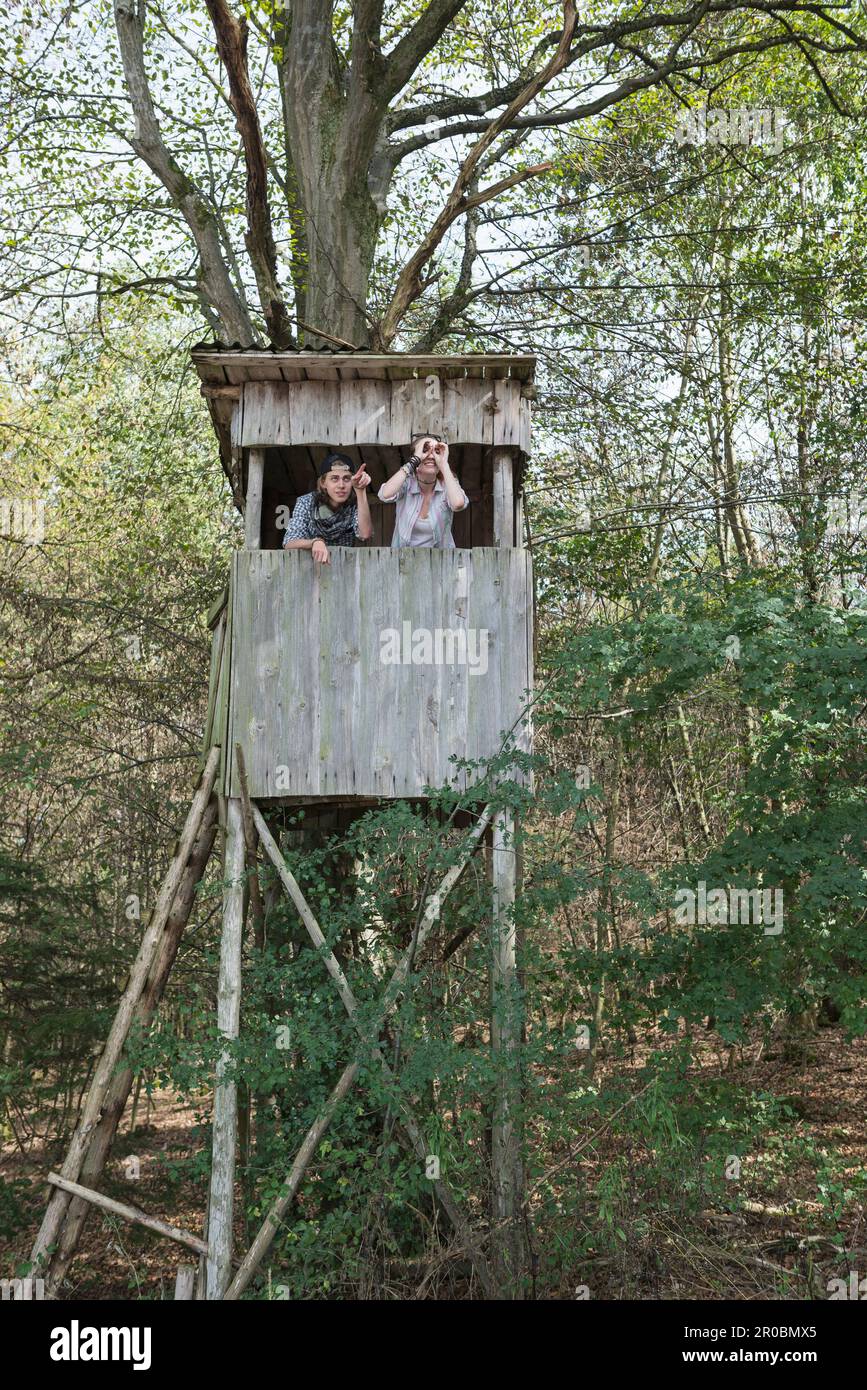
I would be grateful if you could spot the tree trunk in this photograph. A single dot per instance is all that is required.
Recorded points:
(333, 123)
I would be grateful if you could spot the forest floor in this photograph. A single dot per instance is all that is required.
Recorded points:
(778, 1240)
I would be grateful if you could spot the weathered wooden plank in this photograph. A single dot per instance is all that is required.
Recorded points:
(253, 512)
(225, 1115)
(385, 712)
(524, 430)
(504, 509)
(410, 411)
(318, 416)
(130, 1213)
(365, 411)
(506, 414)
(269, 368)
(220, 392)
(457, 582)
(516, 618)
(218, 645)
(528, 588)
(342, 745)
(475, 419)
(220, 729)
(506, 1165)
(384, 413)
(236, 418)
(267, 414)
(419, 708)
(317, 711)
(486, 698)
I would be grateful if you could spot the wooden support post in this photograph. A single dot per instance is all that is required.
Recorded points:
(201, 1289)
(118, 1092)
(225, 1117)
(185, 1283)
(504, 492)
(251, 841)
(130, 1213)
(506, 1162)
(58, 1204)
(253, 508)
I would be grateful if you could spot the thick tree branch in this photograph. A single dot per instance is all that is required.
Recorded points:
(465, 105)
(592, 39)
(366, 30)
(148, 144)
(259, 237)
(408, 52)
(409, 285)
(803, 49)
(298, 252)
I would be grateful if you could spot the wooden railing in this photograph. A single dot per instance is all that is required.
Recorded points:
(363, 678)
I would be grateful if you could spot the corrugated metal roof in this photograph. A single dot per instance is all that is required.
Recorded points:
(217, 346)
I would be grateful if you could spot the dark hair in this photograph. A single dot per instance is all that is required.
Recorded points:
(426, 434)
(333, 457)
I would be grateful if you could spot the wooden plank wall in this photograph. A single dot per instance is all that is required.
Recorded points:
(314, 708)
(347, 413)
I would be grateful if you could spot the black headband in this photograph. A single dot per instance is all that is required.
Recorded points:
(330, 459)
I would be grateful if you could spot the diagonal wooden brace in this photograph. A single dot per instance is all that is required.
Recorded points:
(131, 1213)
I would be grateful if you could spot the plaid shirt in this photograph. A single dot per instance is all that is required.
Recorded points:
(339, 529)
(409, 502)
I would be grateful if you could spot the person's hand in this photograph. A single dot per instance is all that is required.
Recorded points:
(319, 551)
(441, 456)
(360, 480)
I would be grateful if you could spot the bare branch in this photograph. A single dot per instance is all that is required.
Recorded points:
(454, 304)
(409, 285)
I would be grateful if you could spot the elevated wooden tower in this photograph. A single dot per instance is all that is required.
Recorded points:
(310, 706)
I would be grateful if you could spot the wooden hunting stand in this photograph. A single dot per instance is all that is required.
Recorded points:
(302, 713)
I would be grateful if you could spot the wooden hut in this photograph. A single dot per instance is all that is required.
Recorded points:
(322, 674)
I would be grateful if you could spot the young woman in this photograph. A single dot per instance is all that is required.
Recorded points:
(331, 515)
(427, 494)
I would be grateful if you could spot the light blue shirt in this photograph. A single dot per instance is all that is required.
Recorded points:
(409, 503)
